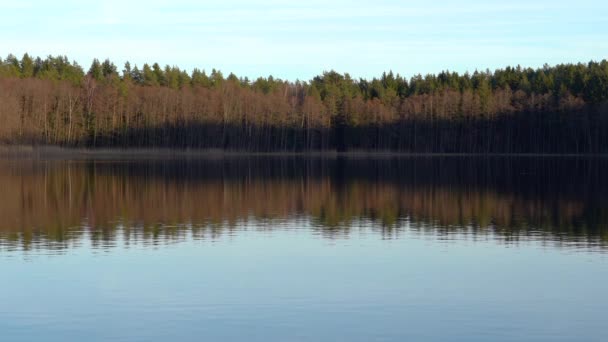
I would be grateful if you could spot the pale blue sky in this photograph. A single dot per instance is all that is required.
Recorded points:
(301, 39)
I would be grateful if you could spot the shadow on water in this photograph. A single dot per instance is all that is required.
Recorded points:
(53, 204)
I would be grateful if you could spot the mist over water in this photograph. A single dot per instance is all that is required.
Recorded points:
(304, 248)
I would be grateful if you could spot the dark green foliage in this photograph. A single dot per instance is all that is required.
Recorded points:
(200, 78)
(96, 71)
(11, 66)
(589, 81)
(515, 109)
(150, 78)
(136, 75)
(159, 75)
(108, 69)
(27, 66)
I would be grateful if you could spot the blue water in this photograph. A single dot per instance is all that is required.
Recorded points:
(291, 285)
(291, 278)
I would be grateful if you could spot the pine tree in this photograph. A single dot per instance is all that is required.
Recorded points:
(126, 71)
(149, 76)
(95, 71)
(27, 66)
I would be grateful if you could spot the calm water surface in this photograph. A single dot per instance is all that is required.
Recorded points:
(304, 249)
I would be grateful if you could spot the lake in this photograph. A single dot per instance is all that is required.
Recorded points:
(317, 248)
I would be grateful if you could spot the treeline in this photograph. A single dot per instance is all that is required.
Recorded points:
(559, 109)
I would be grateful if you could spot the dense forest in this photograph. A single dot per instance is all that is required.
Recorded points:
(553, 109)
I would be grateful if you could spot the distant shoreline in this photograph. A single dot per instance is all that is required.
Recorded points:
(55, 152)
(558, 109)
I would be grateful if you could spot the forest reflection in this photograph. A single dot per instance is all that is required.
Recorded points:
(54, 204)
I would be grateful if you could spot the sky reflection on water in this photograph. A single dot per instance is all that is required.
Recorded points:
(297, 250)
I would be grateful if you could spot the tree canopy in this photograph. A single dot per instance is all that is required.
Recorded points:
(53, 100)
